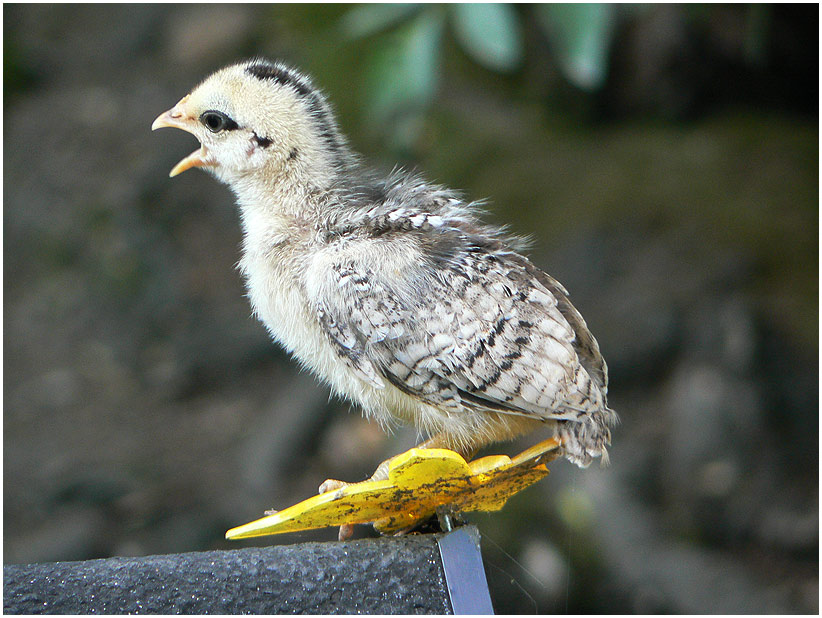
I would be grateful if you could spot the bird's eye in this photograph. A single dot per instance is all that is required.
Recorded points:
(216, 121)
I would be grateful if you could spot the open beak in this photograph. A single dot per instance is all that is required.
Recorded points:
(177, 118)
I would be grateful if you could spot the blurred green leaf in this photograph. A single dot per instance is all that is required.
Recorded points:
(581, 37)
(404, 69)
(490, 33)
(370, 19)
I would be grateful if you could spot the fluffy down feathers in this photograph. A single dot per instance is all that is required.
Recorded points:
(391, 289)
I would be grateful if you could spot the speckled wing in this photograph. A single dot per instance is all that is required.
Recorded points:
(478, 330)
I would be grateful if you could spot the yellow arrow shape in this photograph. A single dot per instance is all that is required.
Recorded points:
(419, 481)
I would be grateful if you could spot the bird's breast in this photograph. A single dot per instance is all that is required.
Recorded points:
(278, 298)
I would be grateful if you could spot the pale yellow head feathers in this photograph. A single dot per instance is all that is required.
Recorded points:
(257, 119)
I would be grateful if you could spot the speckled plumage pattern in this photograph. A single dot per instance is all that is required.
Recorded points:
(391, 289)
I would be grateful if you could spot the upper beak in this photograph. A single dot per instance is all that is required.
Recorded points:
(177, 118)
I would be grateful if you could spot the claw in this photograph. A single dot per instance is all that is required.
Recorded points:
(331, 485)
(346, 531)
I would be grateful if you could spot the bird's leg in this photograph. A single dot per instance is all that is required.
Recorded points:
(441, 441)
(380, 474)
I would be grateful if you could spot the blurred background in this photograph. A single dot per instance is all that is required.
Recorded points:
(664, 159)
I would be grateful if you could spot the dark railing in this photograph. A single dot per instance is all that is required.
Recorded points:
(414, 574)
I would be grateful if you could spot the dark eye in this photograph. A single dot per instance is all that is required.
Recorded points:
(216, 121)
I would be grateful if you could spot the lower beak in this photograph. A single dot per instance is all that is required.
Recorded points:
(175, 118)
(195, 159)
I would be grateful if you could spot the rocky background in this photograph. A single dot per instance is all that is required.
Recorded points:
(145, 410)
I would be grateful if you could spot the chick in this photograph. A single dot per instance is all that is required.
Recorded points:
(390, 288)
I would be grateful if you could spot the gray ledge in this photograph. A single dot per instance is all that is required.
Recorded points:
(399, 575)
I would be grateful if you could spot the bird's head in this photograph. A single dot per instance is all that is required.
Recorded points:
(257, 118)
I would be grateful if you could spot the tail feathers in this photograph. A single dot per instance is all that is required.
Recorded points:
(587, 438)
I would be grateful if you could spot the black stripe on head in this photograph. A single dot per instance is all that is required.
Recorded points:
(319, 109)
(280, 75)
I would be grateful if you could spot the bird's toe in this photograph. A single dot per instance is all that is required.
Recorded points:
(331, 485)
(346, 532)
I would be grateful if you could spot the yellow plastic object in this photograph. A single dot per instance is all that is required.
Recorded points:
(419, 482)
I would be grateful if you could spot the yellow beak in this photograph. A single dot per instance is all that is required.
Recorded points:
(177, 118)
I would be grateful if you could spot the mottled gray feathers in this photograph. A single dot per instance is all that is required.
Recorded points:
(394, 291)
(474, 327)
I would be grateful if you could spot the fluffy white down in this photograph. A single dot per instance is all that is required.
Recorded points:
(310, 212)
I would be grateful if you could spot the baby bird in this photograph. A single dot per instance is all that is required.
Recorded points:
(390, 288)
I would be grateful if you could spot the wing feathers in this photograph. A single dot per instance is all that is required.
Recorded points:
(479, 330)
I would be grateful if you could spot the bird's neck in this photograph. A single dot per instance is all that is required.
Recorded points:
(271, 212)
(286, 206)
